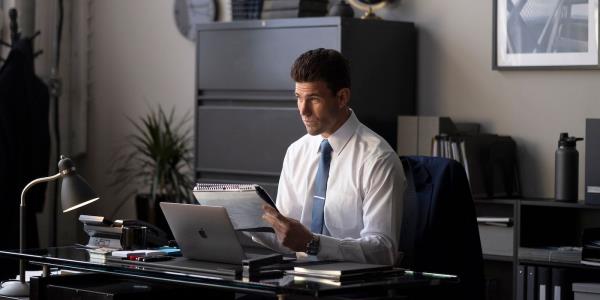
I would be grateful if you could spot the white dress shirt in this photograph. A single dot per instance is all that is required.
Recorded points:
(363, 206)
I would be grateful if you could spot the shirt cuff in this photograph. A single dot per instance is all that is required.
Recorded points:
(329, 248)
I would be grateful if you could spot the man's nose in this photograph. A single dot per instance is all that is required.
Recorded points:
(304, 108)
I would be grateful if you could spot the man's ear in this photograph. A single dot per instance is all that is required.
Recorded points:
(343, 97)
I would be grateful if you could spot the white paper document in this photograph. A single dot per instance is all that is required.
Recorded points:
(243, 203)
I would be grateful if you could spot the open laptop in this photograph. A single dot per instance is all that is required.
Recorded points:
(206, 233)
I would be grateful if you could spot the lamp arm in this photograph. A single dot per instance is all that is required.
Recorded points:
(36, 181)
(22, 219)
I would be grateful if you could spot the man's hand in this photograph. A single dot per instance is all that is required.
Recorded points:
(291, 233)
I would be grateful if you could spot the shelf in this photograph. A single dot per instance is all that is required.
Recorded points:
(495, 201)
(495, 257)
(557, 264)
(553, 203)
(538, 202)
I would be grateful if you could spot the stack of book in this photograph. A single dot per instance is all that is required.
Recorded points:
(275, 9)
(98, 255)
(490, 162)
(570, 255)
(339, 272)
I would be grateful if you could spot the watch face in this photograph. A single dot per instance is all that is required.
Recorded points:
(190, 13)
(312, 248)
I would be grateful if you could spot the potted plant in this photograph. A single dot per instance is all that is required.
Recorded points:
(155, 164)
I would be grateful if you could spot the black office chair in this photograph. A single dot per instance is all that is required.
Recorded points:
(439, 229)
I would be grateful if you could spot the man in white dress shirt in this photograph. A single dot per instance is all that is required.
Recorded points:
(341, 186)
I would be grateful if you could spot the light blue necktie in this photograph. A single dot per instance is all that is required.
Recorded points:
(321, 188)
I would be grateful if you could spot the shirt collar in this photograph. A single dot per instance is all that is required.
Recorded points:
(340, 137)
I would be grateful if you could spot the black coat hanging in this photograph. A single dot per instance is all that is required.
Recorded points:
(24, 146)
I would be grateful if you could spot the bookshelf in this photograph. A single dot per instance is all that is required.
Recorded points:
(538, 225)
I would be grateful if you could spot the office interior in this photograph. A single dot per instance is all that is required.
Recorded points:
(121, 57)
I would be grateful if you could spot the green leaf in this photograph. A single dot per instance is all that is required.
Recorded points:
(157, 156)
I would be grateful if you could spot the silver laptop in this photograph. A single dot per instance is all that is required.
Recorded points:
(206, 233)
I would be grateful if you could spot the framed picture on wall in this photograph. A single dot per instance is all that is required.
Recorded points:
(545, 34)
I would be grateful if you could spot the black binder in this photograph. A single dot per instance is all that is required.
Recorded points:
(561, 289)
(521, 282)
(544, 283)
(531, 283)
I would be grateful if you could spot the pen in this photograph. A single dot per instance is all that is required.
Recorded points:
(430, 274)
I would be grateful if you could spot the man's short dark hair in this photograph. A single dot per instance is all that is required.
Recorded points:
(325, 65)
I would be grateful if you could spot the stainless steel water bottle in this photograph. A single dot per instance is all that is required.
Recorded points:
(566, 184)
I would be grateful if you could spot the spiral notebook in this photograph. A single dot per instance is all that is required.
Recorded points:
(243, 203)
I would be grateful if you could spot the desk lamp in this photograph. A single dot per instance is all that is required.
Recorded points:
(75, 192)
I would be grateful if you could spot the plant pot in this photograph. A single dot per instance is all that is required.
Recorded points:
(149, 211)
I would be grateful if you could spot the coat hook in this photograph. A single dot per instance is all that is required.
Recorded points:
(35, 35)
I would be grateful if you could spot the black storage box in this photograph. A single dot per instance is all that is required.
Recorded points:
(592, 161)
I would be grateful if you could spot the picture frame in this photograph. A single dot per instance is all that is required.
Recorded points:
(545, 34)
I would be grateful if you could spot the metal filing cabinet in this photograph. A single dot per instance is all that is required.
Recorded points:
(246, 110)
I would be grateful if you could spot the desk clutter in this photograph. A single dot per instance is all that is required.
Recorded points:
(128, 234)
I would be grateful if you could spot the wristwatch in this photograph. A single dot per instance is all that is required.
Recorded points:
(314, 245)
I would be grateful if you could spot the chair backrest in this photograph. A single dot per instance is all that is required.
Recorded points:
(439, 228)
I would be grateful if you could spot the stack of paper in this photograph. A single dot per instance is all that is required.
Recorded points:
(337, 272)
(98, 255)
(243, 203)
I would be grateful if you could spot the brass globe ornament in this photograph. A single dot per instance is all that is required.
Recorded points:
(369, 7)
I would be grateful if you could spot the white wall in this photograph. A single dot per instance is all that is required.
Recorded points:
(138, 60)
(455, 79)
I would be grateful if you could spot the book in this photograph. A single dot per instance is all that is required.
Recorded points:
(552, 254)
(274, 5)
(340, 270)
(544, 282)
(560, 284)
(531, 280)
(521, 282)
(98, 255)
(347, 277)
(243, 203)
(319, 280)
(416, 133)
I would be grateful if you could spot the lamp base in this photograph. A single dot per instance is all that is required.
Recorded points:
(14, 288)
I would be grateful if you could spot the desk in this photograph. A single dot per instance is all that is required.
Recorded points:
(76, 258)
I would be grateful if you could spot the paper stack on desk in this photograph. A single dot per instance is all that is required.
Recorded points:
(339, 271)
(98, 255)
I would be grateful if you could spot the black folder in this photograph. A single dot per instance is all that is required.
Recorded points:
(521, 282)
(561, 289)
(531, 283)
(544, 283)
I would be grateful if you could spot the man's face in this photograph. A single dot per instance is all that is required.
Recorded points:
(322, 111)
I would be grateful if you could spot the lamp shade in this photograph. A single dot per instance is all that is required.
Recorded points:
(75, 191)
